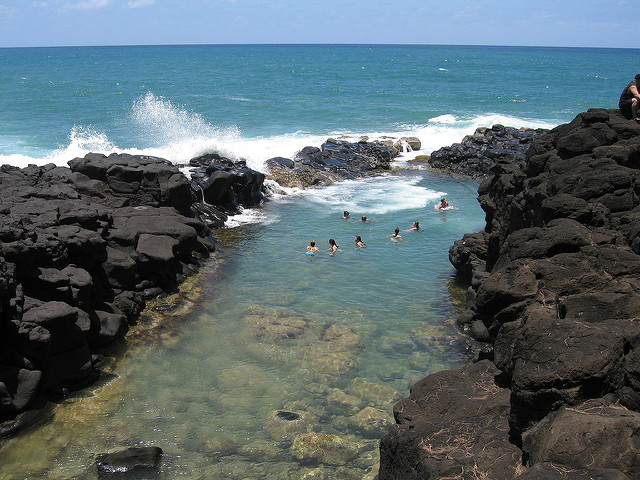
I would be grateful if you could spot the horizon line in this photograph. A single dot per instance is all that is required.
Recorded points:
(315, 44)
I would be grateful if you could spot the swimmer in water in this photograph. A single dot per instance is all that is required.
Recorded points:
(311, 248)
(363, 218)
(443, 204)
(359, 242)
(416, 226)
(334, 245)
(345, 215)
(396, 234)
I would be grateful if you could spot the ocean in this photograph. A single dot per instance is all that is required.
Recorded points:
(195, 377)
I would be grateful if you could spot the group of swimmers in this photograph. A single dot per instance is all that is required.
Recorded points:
(312, 248)
(346, 215)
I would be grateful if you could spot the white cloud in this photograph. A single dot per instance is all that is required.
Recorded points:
(6, 11)
(139, 3)
(88, 4)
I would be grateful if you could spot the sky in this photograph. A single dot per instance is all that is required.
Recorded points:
(566, 23)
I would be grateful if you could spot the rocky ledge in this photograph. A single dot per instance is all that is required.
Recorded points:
(82, 248)
(336, 160)
(555, 291)
(477, 154)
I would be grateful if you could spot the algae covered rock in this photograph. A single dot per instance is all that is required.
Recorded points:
(323, 448)
(372, 422)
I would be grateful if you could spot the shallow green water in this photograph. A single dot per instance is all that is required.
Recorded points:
(275, 364)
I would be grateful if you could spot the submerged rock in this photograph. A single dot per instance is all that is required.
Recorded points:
(372, 422)
(373, 393)
(273, 324)
(284, 424)
(133, 459)
(322, 448)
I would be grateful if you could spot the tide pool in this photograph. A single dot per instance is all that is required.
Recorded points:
(270, 356)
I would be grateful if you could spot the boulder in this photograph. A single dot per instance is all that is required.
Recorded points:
(592, 435)
(133, 460)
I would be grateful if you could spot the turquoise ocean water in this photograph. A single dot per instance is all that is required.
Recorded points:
(199, 377)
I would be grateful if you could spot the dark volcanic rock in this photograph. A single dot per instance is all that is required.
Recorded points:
(133, 459)
(453, 422)
(478, 153)
(222, 187)
(555, 280)
(595, 434)
(335, 160)
(80, 249)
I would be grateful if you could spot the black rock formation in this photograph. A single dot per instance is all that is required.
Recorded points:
(334, 161)
(81, 249)
(555, 288)
(476, 154)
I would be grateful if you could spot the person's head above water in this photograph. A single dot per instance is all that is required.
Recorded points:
(364, 218)
(345, 214)
(313, 243)
(332, 242)
(396, 231)
(358, 239)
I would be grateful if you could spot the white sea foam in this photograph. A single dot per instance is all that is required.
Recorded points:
(371, 196)
(178, 135)
(249, 216)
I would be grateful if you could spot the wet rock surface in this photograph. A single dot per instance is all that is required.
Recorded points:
(126, 463)
(222, 187)
(333, 161)
(554, 291)
(476, 154)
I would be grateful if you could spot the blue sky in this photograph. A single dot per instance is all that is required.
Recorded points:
(587, 23)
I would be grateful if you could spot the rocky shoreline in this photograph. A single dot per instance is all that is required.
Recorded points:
(554, 289)
(81, 251)
(83, 248)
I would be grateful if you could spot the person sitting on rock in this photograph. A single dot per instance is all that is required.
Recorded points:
(311, 248)
(629, 99)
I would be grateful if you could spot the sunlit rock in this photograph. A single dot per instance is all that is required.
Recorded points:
(373, 393)
(372, 422)
(323, 448)
(342, 401)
